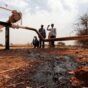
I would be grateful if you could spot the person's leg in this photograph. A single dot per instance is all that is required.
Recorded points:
(40, 42)
(52, 42)
(43, 44)
(34, 46)
(49, 41)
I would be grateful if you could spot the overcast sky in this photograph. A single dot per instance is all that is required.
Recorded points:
(63, 13)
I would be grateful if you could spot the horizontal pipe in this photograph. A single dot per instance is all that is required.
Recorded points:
(82, 37)
(5, 24)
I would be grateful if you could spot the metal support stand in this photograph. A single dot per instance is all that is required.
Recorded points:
(7, 47)
(7, 26)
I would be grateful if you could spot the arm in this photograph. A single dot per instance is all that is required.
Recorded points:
(48, 28)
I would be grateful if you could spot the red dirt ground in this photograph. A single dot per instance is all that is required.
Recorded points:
(11, 61)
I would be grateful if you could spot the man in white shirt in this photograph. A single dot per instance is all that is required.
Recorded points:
(52, 34)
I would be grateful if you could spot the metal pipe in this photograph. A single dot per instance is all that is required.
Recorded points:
(5, 9)
(82, 37)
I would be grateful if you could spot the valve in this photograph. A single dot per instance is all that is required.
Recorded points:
(15, 17)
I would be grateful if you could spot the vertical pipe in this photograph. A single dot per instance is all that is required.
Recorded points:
(7, 47)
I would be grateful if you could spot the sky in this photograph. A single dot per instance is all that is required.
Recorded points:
(63, 13)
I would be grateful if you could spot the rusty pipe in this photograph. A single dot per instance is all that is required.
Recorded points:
(82, 37)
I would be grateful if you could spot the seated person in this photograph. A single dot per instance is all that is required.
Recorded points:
(35, 42)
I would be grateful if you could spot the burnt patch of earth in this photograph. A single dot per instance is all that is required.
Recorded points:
(53, 72)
